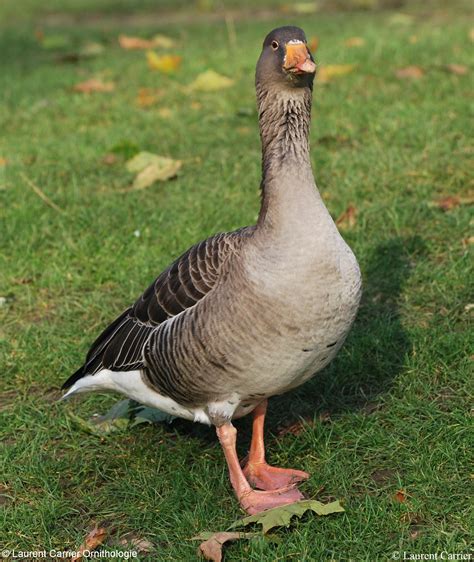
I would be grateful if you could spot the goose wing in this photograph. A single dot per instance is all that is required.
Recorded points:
(187, 280)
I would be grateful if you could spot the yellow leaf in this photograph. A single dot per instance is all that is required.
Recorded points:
(354, 42)
(210, 81)
(151, 168)
(329, 71)
(163, 63)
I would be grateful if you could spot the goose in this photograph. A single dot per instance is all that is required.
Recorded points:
(249, 314)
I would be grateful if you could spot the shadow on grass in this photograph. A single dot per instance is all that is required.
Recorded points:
(370, 360)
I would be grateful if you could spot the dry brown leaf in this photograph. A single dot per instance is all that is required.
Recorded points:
(147, 97)
(211, 548)
(313, 44)
(354, 42)
(327, 72)
(413, 72)
(133, 43)
(467, 241)
(94, 539)
(94, 85)
(210, 81)
(347, 219)
(449, 202)
(459, 69)
(400, 496)
(164, 63)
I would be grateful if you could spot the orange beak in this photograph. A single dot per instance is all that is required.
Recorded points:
(297, 59)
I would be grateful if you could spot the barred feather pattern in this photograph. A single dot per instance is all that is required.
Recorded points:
(184, 283)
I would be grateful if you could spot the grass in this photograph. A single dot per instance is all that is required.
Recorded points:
(391, 412)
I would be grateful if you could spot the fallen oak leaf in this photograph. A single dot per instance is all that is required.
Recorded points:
(94, 85)
(412, 72)
(210, 81)
(281, 516)
(164, 63)
(94, 539)
(211, 548)
(347, 219)
(328, 72)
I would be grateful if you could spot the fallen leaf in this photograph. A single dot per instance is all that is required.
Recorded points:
(163, 170)
(210, 81)
(458, 69)
(151, 168)
(447, 203)
(326, 73)
(469, 307)
(412, 72)
(132, 43)
(348, 218)
(211, 548)
(313, 44)
(400, 496)
(94, 85)
(281, 516)
(467, 241)
(94, 539)
(164, 63)
(135, 542)
(148, 96)
(354, 42)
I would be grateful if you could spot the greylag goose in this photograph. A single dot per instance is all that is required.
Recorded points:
(249, 314)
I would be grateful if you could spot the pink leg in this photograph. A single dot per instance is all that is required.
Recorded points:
(258, 472)
(252, 501)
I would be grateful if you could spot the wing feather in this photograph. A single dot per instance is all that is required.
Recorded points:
(186, 281)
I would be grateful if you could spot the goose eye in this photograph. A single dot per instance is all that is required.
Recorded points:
(275, 45)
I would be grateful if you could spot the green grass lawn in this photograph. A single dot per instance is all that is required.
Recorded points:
(392, 411)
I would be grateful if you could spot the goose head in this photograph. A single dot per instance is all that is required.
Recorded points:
(286, 61)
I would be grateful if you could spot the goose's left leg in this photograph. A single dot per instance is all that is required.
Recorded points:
(253, 501)
(258, 472)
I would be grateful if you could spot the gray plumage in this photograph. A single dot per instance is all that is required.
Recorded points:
(248, 314)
